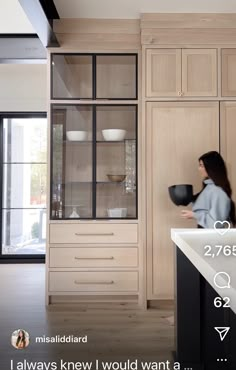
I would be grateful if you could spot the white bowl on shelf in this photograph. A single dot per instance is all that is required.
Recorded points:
(77, 135)
(117, 212)
(113, 134)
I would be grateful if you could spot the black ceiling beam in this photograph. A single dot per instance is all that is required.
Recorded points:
(50, 10)
(41, 13)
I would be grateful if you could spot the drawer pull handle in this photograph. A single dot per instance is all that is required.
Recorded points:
(94, 234)
(95, 282)
(94, 258)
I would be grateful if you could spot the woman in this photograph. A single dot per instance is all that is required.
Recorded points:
(21, 340)
(214, 202)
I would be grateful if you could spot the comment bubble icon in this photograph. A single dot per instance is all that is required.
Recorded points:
(222, 280)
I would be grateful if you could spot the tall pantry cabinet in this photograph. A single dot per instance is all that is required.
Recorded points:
(187, 83)
(177, 133)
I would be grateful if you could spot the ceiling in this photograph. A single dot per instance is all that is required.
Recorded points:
(14, 20)
(133, 8)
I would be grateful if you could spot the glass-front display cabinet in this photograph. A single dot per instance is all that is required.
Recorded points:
(94, 161)
(94, 76)
(93, 143)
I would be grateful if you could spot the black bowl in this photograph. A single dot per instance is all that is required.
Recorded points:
(181, 195)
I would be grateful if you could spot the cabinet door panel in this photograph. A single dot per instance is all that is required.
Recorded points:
(199, 72)
(178, 133)
(228, 72)
(227, 140)
(163, 72)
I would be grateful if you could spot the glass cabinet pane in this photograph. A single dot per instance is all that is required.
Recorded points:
(72, 170)
(116, 77)
(72, 76)
(116, 195)
(94, 161)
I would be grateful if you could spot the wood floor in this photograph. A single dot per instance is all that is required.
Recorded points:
(114, 332)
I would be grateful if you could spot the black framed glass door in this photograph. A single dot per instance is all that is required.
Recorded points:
(23, 186)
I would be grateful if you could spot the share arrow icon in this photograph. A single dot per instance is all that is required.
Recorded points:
(223, 331)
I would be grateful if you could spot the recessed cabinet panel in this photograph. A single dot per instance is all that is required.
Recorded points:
(116, 77)
(199, 72)
(72, 76)
(163, 72)
(178, 133)
(228, 72)
(227, 140)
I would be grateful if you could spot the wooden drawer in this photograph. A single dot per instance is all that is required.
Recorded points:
(94, 281)
(93, 233)
(93, 257)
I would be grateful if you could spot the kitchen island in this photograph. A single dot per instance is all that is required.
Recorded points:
(205, 300)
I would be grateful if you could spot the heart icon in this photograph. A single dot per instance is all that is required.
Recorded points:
(225, 226)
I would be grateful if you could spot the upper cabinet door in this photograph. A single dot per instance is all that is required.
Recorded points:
(228, 61)
(163, 72)
(199, 72)
(94, 76)
(72, 76)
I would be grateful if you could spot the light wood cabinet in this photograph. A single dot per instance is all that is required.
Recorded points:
(163, 72)
(93, 179)
(93, 282)
(227, 140)
(199, 72)
(228, 62)
(181, 72)
(93, 233)
(177, 133)
(93, 257)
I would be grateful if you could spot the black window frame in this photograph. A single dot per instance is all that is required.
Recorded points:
(94, 162)
(94, 76)
(15, 258)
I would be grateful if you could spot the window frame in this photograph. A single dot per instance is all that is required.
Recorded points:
(15, 258)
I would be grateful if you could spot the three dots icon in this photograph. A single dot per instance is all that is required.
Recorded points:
(221, 359)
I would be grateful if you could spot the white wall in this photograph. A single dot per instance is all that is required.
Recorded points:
(13, 18)
(23, 87)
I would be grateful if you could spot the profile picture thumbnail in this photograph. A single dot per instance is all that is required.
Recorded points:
(20, 339)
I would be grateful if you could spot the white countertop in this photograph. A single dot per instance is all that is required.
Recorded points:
(192, 241)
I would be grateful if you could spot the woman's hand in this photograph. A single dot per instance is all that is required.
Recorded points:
(187, 214)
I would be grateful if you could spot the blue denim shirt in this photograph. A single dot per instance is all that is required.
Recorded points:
(212, 204)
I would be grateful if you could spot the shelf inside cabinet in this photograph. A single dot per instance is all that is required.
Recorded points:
(72, 142)
(114, 141)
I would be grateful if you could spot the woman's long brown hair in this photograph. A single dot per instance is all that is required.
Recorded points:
(19, 338)
(217, 171)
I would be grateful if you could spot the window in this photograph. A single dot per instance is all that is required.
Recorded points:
(23, 186)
